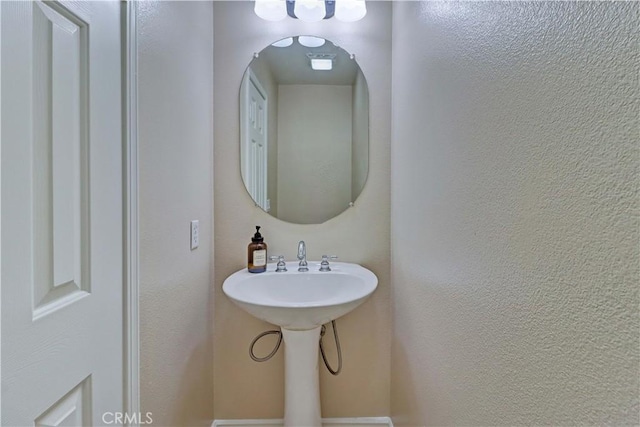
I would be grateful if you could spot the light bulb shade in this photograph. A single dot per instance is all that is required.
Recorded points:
(310, 41)
(283, 43)
(310, 10)
(350, 10)
(271, 10)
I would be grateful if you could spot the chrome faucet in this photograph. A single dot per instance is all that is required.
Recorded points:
(324, 265)
(281, 267)
(302, 256)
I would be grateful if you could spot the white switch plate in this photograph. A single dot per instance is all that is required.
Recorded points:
(195, 234)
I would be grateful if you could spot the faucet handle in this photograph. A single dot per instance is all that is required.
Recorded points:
(281, 266)
(324, 265)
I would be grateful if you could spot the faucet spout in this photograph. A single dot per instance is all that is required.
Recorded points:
(302, 256)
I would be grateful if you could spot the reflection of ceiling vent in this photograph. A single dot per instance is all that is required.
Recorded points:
(321, 61)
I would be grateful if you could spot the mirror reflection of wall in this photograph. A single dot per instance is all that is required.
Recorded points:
(304, 130)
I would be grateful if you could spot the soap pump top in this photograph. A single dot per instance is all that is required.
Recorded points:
(257, 238)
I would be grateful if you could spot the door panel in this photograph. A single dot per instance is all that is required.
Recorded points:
(254, 122)
(62, 210)
(60, 191)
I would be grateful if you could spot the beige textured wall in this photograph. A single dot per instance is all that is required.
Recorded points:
(515, 213)
(175, 149)
(314, 152)
(246, 389)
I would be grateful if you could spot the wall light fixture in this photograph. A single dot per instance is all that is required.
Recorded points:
(311, 10)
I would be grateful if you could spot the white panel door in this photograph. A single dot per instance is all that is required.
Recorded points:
(62, 213)
(254, 140)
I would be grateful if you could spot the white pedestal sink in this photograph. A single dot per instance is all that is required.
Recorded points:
(300, 303)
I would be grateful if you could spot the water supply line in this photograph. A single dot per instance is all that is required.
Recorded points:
(324, 358)
(270, 355)
(277, 347)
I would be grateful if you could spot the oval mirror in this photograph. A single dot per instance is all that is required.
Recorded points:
(304, 130)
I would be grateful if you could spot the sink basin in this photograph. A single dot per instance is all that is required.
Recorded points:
(301, 301)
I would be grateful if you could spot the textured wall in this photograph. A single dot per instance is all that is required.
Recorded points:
(515, 213)
(246, 389)
(176, 137)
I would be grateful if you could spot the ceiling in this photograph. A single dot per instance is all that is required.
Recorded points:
(290, 65)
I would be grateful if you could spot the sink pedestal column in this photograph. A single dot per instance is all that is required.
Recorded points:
(301, 382)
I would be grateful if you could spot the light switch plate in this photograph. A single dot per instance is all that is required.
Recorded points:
(195, 234)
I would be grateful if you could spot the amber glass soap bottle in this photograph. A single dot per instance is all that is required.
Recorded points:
(257, 253)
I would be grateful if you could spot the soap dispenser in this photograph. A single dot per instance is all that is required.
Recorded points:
(257, 253)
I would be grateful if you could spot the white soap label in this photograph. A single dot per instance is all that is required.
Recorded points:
(260, 257)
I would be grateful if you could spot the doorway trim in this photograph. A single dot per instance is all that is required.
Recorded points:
(131, 279)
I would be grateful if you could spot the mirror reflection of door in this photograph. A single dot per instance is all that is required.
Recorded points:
(255, 140)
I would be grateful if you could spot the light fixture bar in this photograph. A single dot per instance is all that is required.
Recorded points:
(311, 10)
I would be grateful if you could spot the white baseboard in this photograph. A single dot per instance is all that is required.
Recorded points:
(333, 422)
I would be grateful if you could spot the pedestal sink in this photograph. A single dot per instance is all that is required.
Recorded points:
(300, 303)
